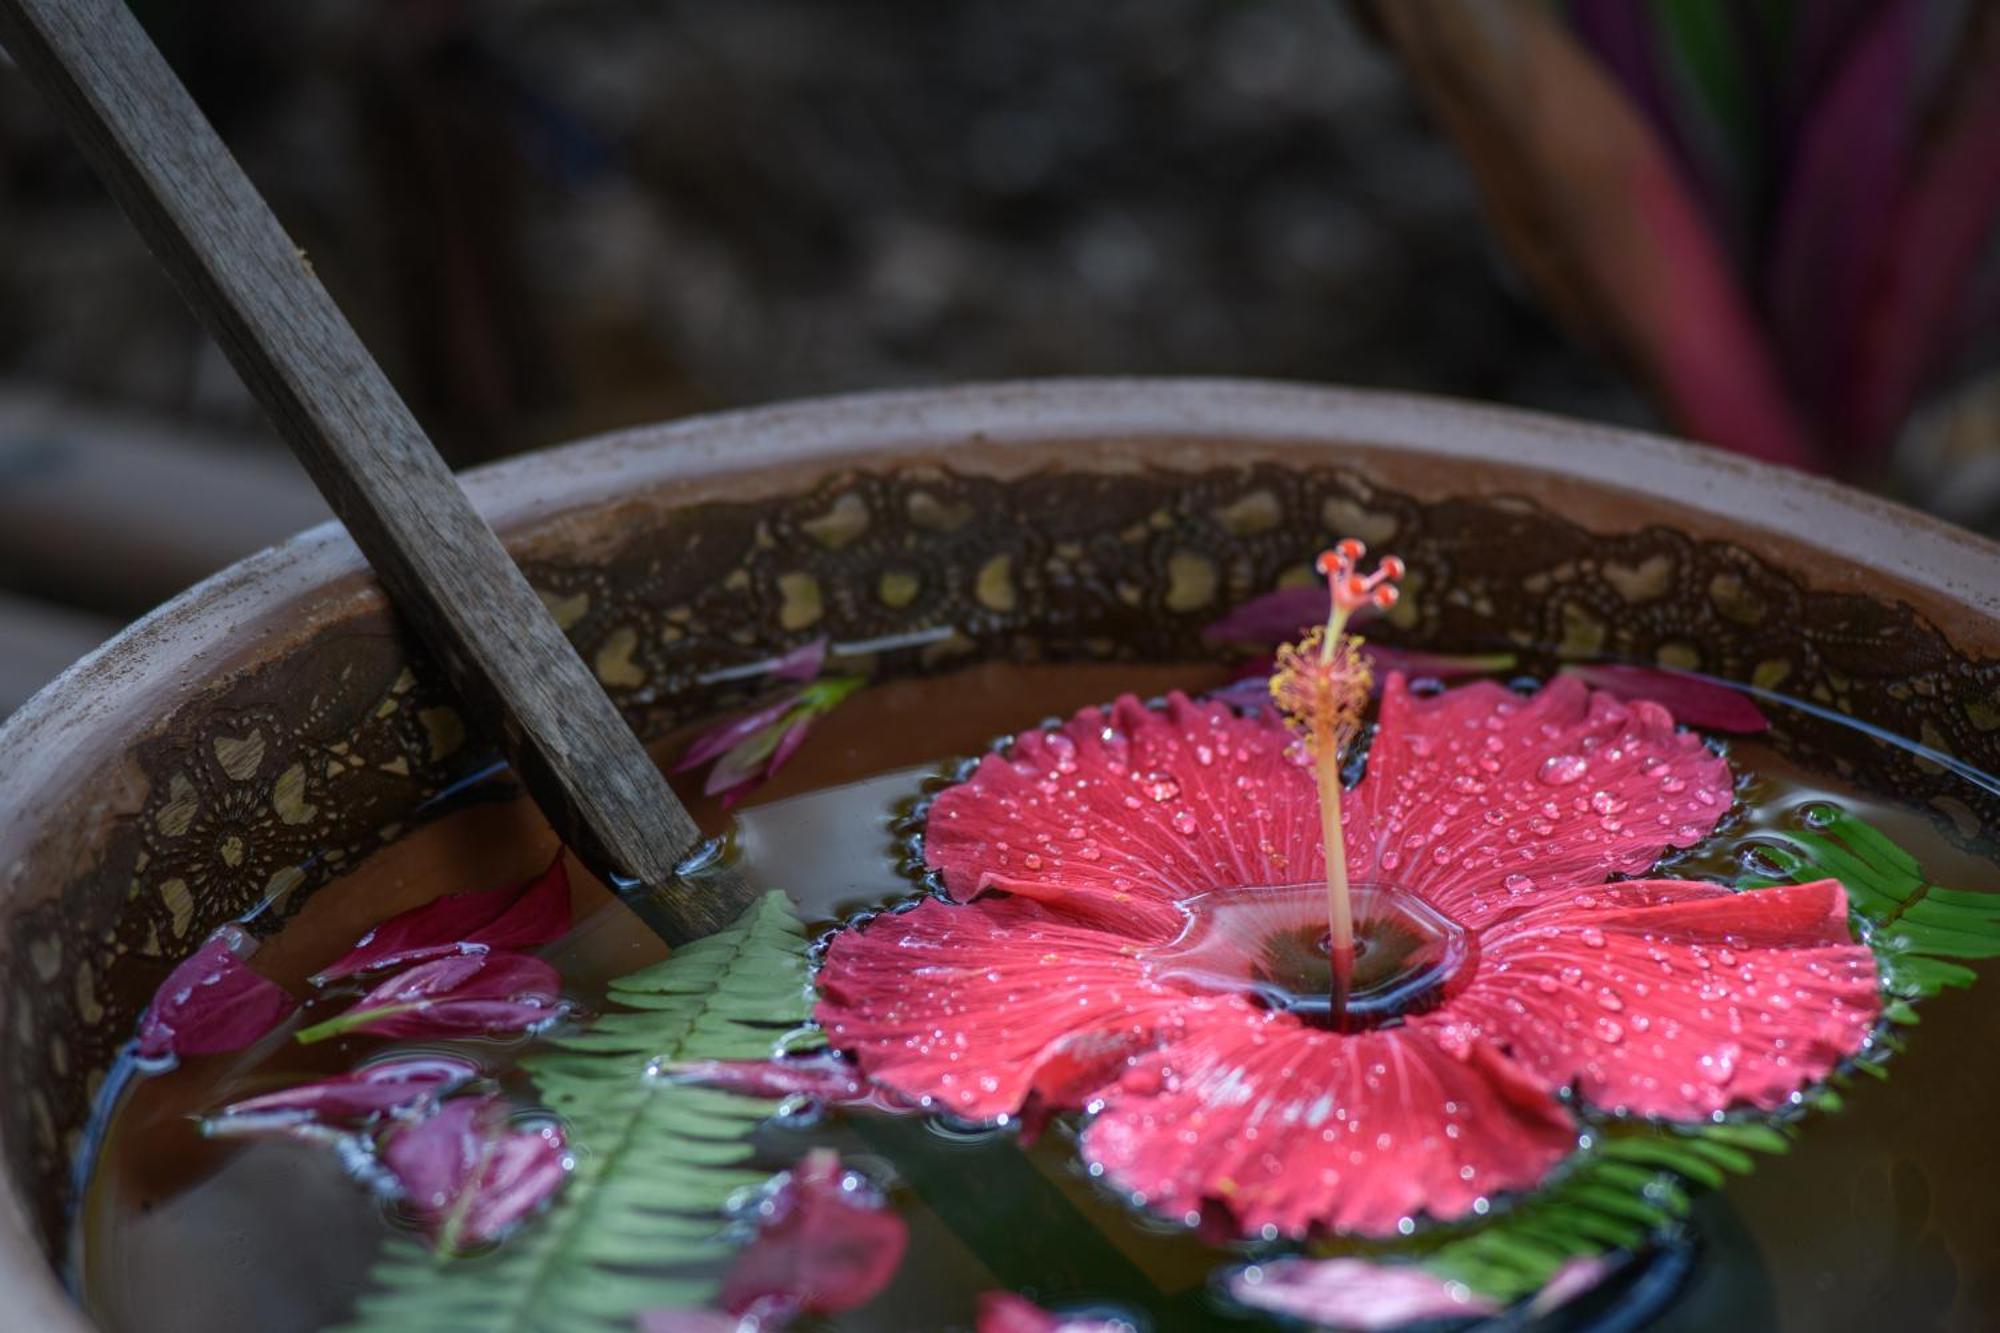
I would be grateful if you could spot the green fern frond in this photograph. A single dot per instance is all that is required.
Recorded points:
(638, 1224)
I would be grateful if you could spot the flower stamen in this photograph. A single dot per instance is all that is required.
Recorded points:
(1321, 685)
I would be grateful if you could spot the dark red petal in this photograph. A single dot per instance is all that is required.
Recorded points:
(1137, 806)
(212, 1002)
(1004, 1312)
(1354, 1293)
(463, 994)
(825, 1244)
(1665, 998)
(1293, 1129)
(975, 1008)
(347, 1101)
(469, 1176)
(1696, 701)
(521, 916)
(1274, 617)
(1418, 665)
(1480, 801)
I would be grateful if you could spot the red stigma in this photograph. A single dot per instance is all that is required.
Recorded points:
(1351, 589)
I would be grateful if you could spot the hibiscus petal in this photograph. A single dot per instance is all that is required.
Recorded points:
(1296, 1129)
(1468, 795)
(469, 1176)
(1698, 702)
(1354, 1293)
(1136, 805)
(1674, 999)
(824, 1244)
(1477, 796)
(463, 994)
(1004, 1312)
(212, 1002)
(521, 916)
(346, 1101)
(911, 992)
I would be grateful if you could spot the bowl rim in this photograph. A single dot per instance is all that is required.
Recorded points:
(169, 655)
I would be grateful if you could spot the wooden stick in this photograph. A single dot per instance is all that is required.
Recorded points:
(447, 572)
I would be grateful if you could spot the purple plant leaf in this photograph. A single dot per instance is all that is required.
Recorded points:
(1354, 1293)
(1850, 166)
(212, 1002)
(801, 664)
(1703, 704)
(825, 1243)
(458, 995)
(521, 916)
(469, 1176)
(386, 1088)
(1275, 617)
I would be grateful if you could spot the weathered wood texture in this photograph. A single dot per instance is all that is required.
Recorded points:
(446, 570)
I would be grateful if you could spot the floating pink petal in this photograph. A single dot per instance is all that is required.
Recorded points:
(1004, 1312)
(386, 1088)
(825, 1243)
(830, 1080)
(1576, 1277)
(460, 995)
(212, 1002)
(801, 663)
(689, 1321)
(470, 1176)
(1707, 704)
(719, 740)
(521, 916)
(1354, 1293)
(1079, 857)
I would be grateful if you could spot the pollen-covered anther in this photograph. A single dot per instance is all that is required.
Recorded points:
(1322, 693)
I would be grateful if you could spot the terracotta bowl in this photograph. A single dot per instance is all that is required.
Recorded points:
(272, 726)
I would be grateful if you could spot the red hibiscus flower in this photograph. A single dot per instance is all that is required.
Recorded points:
(1121, 940)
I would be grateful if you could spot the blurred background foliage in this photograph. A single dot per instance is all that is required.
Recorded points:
(555, 218)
